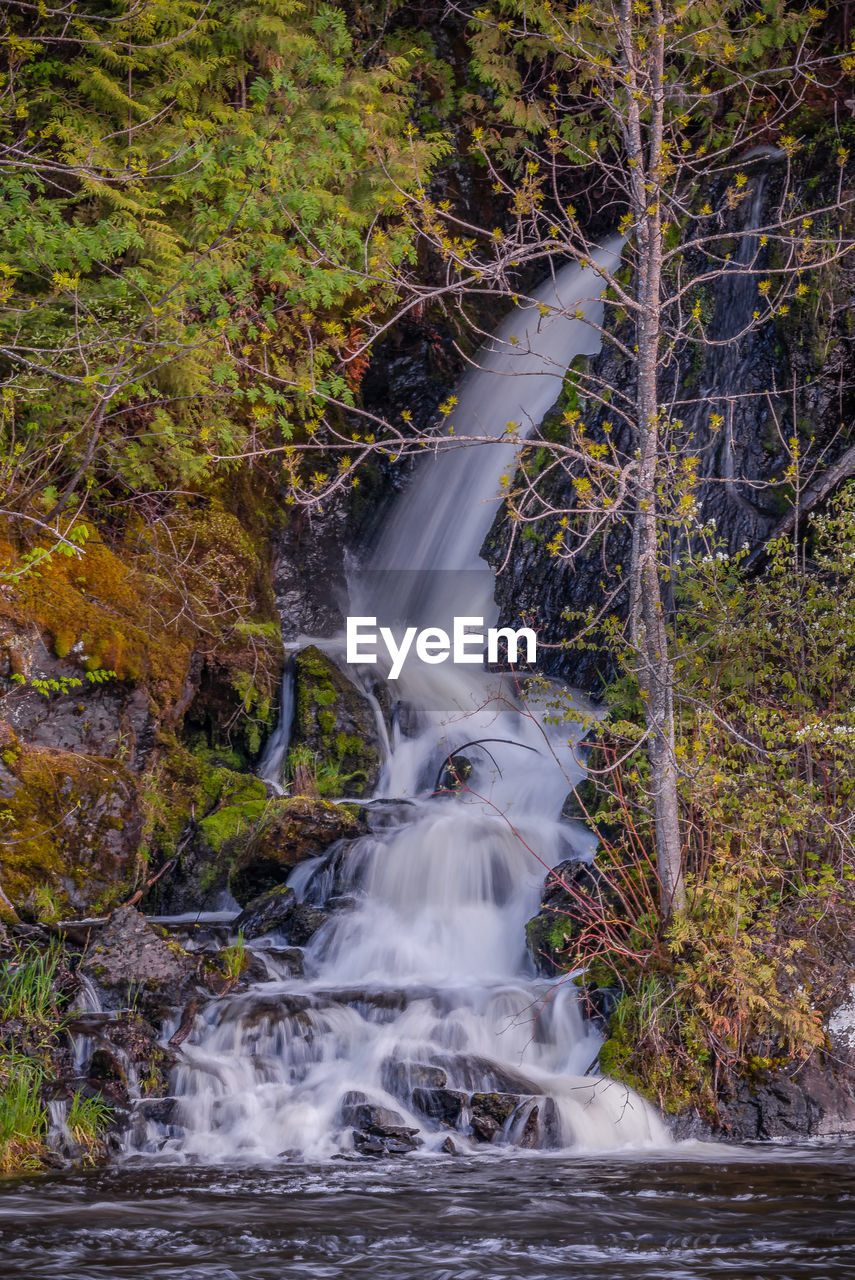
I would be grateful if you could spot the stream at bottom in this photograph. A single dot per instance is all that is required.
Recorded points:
(752, 1213)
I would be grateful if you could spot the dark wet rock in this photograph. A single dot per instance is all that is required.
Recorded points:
(814, 1099)
(305, 922)
(369, 1116)
(308, 573)
(205, 941)
(371, 998)
(480, 1075)
(448, 1147)
(268, 912)
(123, 1050)
(599, 1003)
(444, 1105)
(291, 830)
(106, 1065)
(455, 773)
(254, 970)
(185, 1023)
(159, 1110)
(575, 894)
(401, 1078)
(332, 874)
(490, 1111)
(484, 1128)
(341, 902)
(371, 1144)
(377, 1130)
(541, 1129)
(87, 1024)
(132, 965)
(581, 803)
(353, 1098)
(290, 958)
(256, 1007)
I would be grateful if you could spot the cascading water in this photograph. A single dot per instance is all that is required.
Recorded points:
(419, 1021)
(271, 766)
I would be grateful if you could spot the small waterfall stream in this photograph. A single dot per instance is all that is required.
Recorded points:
(419, 1021)
(271, 766)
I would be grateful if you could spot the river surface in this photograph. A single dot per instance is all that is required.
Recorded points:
(747, 1213)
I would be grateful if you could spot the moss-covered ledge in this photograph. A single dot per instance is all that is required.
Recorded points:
(335, 727)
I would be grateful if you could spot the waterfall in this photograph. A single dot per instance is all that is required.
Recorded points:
(271, 766)
(419, 1021)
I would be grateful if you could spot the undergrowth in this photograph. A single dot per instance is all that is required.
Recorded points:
(33, 1019)
(742, 980)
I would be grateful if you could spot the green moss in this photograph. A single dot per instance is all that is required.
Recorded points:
(242, 805)
(73, 817)
(104, 602)
(333, 726)
(658, 1047)
(326, 721)
(185, 785)
(62, 643)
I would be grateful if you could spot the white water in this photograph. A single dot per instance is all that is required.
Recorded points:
(422, 977)
(271, 766)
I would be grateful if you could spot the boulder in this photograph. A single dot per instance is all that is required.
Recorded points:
(377, 1130)
(471, 1072)
(541, 1128)
(267, 913)
(279, 911)
(158, 1110)
(390, 1144)
(455, 773)
(289, 959)
(401, 1078)
(305, 922)
(490, 1111)
(443, 1105)
(133, 966)
(291, 829)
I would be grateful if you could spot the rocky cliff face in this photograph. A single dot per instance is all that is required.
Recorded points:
(738, 404)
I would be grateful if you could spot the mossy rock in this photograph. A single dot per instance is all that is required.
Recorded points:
(98, 607)
(74, 829)
(112, 608)
(293, 828)
(237, 826)
(334, 726)
(241, 805)
(565, 913)
(201, 809)
(131, 963)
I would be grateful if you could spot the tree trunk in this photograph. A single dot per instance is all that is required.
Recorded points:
(647, 616)
(650, 636)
